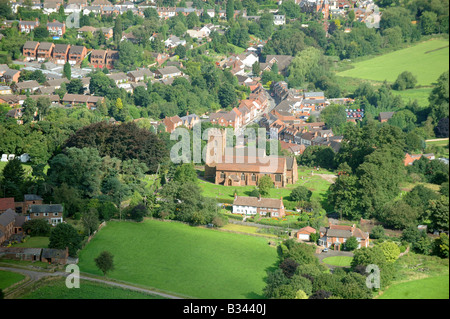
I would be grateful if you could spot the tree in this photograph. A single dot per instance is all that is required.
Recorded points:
(117, 30)
(37, 227)
(227, 96)
(441, 246)
(438, 212)
(185, 173)
(428, 22)
(65, 235)
(289, 267)
(75, 86)
(105, 262)
(377, 232)
(334, 117)
(265, 184)
(67, 70)
(351, 243)
(180, 50)
(300, 193)
(29, 110)
(256, 68)
(390, 250)
(43, 106)
(13, 179)
(90, 221)
(405, 80)
(439, 98)
(230, 10)
(441, 129)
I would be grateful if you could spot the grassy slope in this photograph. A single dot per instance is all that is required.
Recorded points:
(9, 278)
(56, 289)
(426, 288)
(316, 184)
(425, 65)
(178, 258)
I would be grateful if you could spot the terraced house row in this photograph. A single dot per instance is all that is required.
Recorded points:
(57, 53)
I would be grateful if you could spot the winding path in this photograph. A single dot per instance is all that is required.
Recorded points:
(34, 276)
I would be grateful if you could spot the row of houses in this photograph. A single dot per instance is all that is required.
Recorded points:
(58, 53)
(248, 109)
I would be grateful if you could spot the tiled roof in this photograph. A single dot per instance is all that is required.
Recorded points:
(258, 202)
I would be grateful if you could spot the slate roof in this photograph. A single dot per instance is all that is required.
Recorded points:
(46, 208)
(30, 197)
(8, 217)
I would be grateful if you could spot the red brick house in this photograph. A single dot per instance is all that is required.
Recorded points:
(7, 203)
(45, 51)
(411, 158)
(98, 58)
(111, 58)
(7, 220)
(171, 123)
(53, 213)
(29, 50)
(61, 53)
(337, 235)
(56, 28)
(76, 54)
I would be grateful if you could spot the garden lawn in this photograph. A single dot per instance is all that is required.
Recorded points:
(184, 260)
(34, 242)
(56, 289)
(426, 60)
(427, 288)
(9, 278)
(341, 261)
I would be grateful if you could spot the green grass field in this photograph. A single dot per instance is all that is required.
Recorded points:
(426, 60)
(316, 184)
(427, 288)
(9, 278)
(56, 289)
(419, 94)
(341, 261)
(177, 258)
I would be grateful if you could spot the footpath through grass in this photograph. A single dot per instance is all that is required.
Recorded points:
(55, 288)
(177, 258)
(9, 278)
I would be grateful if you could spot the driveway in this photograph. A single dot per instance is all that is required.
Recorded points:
(333, 253)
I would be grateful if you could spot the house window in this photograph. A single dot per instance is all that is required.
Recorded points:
(253, 177)
(55, 214)
(243, 176)
(222, 175)
(278, 177)
(36, 214)
(45, 214)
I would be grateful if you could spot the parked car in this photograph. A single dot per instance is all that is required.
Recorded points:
(325, 250)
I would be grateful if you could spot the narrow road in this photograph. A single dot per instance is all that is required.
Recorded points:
(37, 275)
